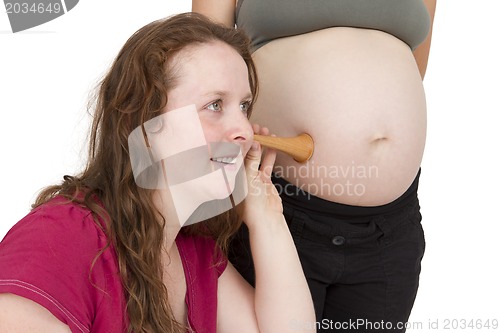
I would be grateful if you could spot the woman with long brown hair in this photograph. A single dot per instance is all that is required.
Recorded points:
(107, 251)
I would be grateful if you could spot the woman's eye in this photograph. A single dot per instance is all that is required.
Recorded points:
(245, 106)
(215, 106)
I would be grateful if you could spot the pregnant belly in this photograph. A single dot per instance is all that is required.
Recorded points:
(359, 94)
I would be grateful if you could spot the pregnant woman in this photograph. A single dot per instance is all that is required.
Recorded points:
(349, 73)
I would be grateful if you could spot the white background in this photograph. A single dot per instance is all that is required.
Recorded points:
(47, 73)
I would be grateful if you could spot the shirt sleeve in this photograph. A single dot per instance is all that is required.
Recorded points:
(48, 256)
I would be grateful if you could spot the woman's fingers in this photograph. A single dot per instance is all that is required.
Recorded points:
(268, 163)
(269, 158)
(252, 161)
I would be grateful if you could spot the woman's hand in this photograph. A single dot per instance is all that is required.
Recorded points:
(262, 203)
(277, 264)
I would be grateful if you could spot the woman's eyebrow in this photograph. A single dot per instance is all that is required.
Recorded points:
(224, 93)
(248, 96)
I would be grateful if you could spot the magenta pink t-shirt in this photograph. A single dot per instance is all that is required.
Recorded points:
(47, 257)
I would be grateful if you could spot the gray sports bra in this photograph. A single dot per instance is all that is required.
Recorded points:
(266, 20)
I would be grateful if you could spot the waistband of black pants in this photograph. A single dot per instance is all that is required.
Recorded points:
(308, 202)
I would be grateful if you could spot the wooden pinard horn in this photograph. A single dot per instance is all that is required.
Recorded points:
(300, 147)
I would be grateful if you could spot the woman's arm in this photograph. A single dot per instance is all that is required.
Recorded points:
(235, 303)
(219, 10)
(421, 53)
(281, 301)
(21, 315)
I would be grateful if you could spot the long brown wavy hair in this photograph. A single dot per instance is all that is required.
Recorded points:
(133, 91)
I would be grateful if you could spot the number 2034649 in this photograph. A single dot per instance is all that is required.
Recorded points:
(33, 8)
(464, 324)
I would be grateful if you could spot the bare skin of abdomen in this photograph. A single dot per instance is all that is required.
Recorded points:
(359, 94)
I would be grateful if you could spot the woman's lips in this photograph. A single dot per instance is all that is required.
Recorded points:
(225, 159)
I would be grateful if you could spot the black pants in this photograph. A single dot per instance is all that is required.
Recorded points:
(362, 264)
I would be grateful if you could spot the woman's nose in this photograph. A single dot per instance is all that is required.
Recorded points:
(239, 129)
